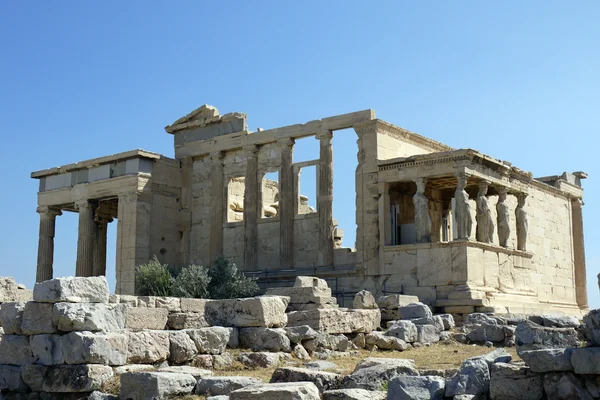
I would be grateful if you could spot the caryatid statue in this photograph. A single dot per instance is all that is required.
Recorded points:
(503, 218)
(521, 216)
(484, 231)
(464, 221)
(422, 217)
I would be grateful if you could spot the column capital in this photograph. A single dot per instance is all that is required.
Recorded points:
(325, 135)
(286, 142)
(462, 177)
(521, 198)
(103, 218)
(216, 155)
(502, 189)
(421, 184)
(82, 203)
(251, 150)
(49, 212)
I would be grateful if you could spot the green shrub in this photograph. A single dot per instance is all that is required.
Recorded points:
(227, 282)
(192, 281)
(153, 279)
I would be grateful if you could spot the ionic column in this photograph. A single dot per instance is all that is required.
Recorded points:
(579, 253)
(102, 222)
(217, 203)
(251, 208)
(46, 242)
(464, 220)
(85, 239)
(325, 199)
(286, 204)
(521, 219)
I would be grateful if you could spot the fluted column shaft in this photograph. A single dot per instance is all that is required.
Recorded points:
(217, 203)
(85, 239)
(579, 254)
(46, 243)
(100, 245)
(251, 208)
(325, 199)
(286, 205)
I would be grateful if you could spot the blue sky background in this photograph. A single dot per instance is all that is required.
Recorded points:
(516, 80)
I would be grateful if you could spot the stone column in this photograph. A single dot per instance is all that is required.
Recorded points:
(422, 217)
(217, 207)
(46, 242)
(325, 199)
(579, 253)
(503, 217)
(464, 221)
(251, 208)
(85, 239)
(286, 205)
(102, 222)
(521, 218)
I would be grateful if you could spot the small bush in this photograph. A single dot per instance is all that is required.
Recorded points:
(227, 282)
(153, 279)
(192, 281)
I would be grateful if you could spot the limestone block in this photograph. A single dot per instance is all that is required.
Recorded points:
(95, 348)
(223, 385)
(37, 319)
(447, 320)
(263, 311)
(15, 350)
(10, 379)
(435, 320)
(564, 386)
(300, 352)
(472, 378)
(155, 385)
(264, 339)
(485, 332)
(321, 365)
(392, 302)
(131, 301)
(415, 310)
(334, 320)
(76, 378)
(416, 388)
(96, 395)
(322, 380)
(197, 373)
(33, 375)
(511, 382)
(530, 336)
(146, 301)
(186, 320)
(193, 305)
(114, 299)
(364, 300)
(354, 394)
(278, 391)
(133, 368)
(548, 360)
(297, 334)
(11, 316)
(182, 348)
(147, 347)
(88, 317)
(173, 304)
(139, 318)
(428, 334)
(212, 340)
(390, 315)
(302, 295)
(373, 373)
(325, 341)
(586, 360)
(47, 349)
(385, 342)
(72, 290)
(404, 330)
(8, 289)
(310, 281)
(260, 359)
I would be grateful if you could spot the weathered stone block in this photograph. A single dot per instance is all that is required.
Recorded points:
(373, 373)
(15, 350)
(155, 385)
(11, 316)
(33, 375)
(428, 334)
(182, 347)
(10, 379)
(72, 290)
(260, 359)
(297, 334)
(564, 386)
(197, 373)
(88, 317)
(173, 304)
(310, 281)
(37, 319)
(302, 295)
(416, 388)
(277, 391)
(76, 378)
(263, 311)
(334, 320)
(354, 394)
(47, 349)
(415, 310)
(193, 305)
(8, 289)
(322, 380)
(148, 347)
(511, 382)
(140, 318)
(548, 360)
(448, 321)
(364, 300)
(586, 360)
(325, 341)
(95, 348)
(212, 340)
(178, 321)
(472, 378)
(486, 332)
(223, 385)
(264, 339)
(392, 302)
(384, 342)
(530, 336)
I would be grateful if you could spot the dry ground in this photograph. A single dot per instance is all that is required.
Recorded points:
(437, 356)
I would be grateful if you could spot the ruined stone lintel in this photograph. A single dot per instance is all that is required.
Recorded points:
(286, 204)
(422, 216)
(46, 242)
(521, 218)
(464, 221)
(217, 206)
(484, 231)
(325, 199)
(85, 239)
(251, 213)
(503, 217)
(579, 254)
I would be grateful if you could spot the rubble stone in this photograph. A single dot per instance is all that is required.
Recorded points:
(322, 380)
(472, 378)
(223, 385)
(392, 302)
(416, 388)
(265, 339)
(564, 386)
(530, 336)
(586, 360)
(384, 342)
(277, 391)
(511, 382)
(182, 348)
(197, 373)
(297, 334)
(260, 359)
(364, 300)
(354, 394)
(310, 281)
(373, 374)
(548, 360)
(415, 310)
(404, 330)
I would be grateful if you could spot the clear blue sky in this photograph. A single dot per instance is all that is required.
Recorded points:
(516, 80)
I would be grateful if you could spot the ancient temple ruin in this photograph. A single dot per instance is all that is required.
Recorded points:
(462, 230)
